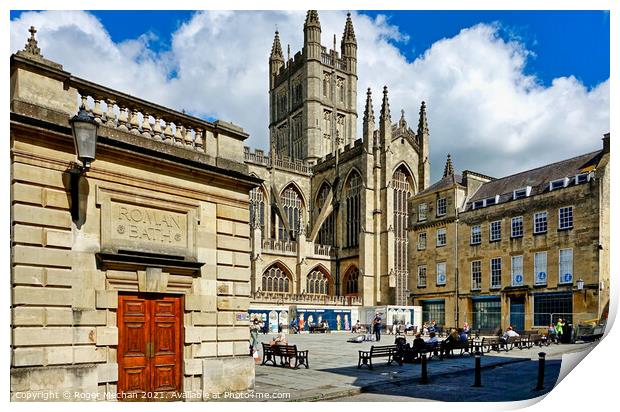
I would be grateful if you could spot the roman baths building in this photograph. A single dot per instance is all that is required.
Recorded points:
(130, 264)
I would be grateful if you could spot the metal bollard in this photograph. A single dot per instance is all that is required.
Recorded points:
(424, 377)
(477, 372)
(541, 371)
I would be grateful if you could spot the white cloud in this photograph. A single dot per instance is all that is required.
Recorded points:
(482, 107)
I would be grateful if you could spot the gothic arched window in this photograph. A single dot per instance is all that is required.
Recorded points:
(276, 280)
(317, 283)
(402, 191)
(326, 232)
(326, 84)
(352, 194)
(351, 281)
(291, 202)
(257, 209)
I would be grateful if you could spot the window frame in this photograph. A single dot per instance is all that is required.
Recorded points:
(588, 176)
(494, 200)
(512, 227)
(525, 190)
(572, 267)
(572, 218)
(537, 269)
(445, 269)
(491, 239)
(513, 273)
(540, 232)
(479, 273)
(563, 180)
(491, 285)
(445, 237)
(443, 207)
(421, 246)
(478, 237)
(422, 216)
(420, 284)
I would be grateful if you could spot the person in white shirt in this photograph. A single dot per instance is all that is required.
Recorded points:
(509, 334)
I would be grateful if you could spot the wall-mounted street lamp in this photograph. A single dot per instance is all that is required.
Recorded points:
(84, 130)
(580, 286)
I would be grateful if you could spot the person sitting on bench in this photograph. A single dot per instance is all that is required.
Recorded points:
(433, 340)
(463, 335)
(418, 342)
(509, 334)
(279, 340)
(448, 343)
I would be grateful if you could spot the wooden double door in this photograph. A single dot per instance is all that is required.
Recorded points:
(150, 344)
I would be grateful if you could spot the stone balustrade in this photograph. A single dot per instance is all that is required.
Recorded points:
(295, 165)
(333, 60)
(129, 114)
(294, 298)
(257, 157)
(327, 59)
(324, 250)
(283, 246)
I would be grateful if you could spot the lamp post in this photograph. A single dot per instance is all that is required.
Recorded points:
(580, 286)
(84, 130)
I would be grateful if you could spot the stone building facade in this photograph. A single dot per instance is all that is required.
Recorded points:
(146, 288)
(518, 248)
(329, 223)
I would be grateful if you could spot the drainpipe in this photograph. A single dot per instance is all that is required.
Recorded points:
(456, 269)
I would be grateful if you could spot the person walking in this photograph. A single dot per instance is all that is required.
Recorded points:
(254, 328)
(376, 323)
(559, 330)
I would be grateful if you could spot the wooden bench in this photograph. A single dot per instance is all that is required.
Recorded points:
(385, 351)
(286, 354)
(535, 339)
(318, 329)
(514, 342)
(487, 332)
(465, 347)
(429, 348)
(487, 344)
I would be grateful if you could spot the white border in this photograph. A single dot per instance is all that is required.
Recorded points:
(590, 386)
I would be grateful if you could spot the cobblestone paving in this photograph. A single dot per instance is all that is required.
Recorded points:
(333, 367)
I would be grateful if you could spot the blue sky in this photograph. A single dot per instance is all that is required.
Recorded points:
(563, 42)
(505, 90)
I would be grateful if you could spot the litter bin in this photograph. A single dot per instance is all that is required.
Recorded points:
(567, 333)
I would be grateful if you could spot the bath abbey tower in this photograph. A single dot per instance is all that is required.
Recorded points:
(329, 223)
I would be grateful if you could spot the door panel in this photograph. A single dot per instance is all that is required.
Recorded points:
(517, 313)
(166, 360)
(150, 345)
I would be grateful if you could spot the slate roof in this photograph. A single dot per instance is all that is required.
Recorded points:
(444, 183)
(538, 178)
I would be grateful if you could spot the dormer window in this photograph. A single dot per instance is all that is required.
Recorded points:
(485, 202)
(521, 193)
(558, 183)
(478, 204)
(491, 200)
(582, 178)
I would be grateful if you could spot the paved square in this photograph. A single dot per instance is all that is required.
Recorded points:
(333, 368)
